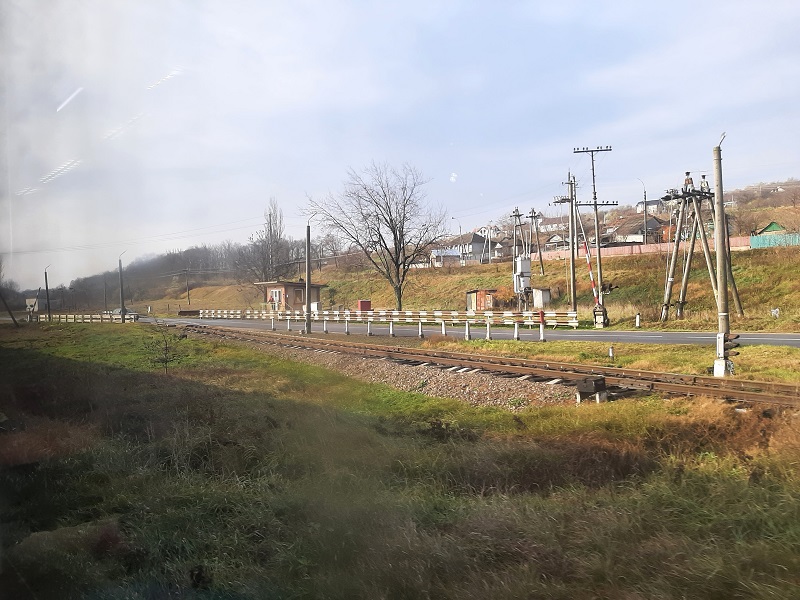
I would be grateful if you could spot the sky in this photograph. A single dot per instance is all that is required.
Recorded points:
(134, 127)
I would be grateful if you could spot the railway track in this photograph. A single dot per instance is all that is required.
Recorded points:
(742, 390)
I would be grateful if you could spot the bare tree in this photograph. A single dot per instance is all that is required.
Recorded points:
(331, 245)
(266, 256)
(382, 212)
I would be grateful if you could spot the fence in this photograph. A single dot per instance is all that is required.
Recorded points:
(95, 318)
(774, 240)
(534, 317)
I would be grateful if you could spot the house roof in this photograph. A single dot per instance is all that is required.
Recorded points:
(467, 238)
(634, 224)
(773, 227)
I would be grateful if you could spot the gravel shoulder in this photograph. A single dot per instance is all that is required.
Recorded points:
(478, 389)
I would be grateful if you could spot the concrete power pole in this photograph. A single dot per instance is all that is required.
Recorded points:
(594, 203)
(47, 294)
(121, 295)
(723, 318)
(644, 212)
(533, 217)
(308, 278)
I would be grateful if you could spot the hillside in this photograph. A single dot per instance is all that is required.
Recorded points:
(766, 279)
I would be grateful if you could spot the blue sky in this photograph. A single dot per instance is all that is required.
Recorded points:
(190, 114)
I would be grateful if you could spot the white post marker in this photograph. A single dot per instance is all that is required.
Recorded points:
(421, 335)
(541, 332)
(288, 322)
(488, 329)
(638, 320)
(516, 331)
(391, 328)
(467, 336)
(369, 328)
(444, 329)
(347, 326)
(324, 325)
(273, 323)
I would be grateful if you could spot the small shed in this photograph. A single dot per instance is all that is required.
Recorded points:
(479, 300)
(290, 295)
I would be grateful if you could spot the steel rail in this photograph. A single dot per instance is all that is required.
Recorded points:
(672, 383)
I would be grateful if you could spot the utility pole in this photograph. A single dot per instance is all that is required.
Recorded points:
(573, 235)
(723, 319)
(461, 254)
(188, 298)
(673, 261)
(644, 212)
(308, 277)
(594, 203)
(534, 221)
(522, 263)
(105, 296)
(121, 295)
(47, 293)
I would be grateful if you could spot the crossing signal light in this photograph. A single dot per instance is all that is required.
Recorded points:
(729, 344)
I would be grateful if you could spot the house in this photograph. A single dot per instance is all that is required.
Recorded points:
(654, 207)
(472, 247)
(628, 230)
(446, 257)
(553, 224)
(290, 295)
(772, 228)
(556, 241)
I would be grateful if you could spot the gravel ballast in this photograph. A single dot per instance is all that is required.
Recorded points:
(476, 388)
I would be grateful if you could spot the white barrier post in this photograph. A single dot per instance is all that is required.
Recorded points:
(369, 328)
(638, 320)
(324, 325)
(541, 326)
(391, 328)
(488, 329)
(421, 335)
(516, 331)
(444, 329)
(288, 322)
(347, 326)
(467, 336)
(273, 323)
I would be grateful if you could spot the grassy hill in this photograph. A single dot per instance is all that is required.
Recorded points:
(766, 279)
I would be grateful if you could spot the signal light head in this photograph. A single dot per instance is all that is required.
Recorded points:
(729, 344)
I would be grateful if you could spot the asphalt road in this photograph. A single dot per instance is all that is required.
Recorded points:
(506, 333)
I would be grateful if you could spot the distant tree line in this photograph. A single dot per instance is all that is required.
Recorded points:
(269, 254)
